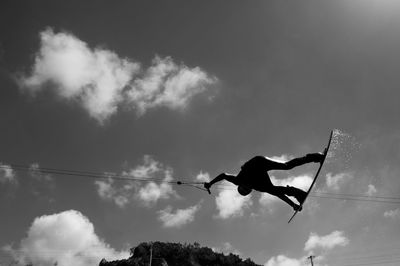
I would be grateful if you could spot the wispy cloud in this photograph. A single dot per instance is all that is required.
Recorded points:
(42, 183)
(165, 83)
(66, 238)
(230, 203)
(7, 174)
(149, 168)
(36, 173)
(371, 190)
(178, 218)
(327, 242)
(203, 177)
(334, 182)
(155, 184)
(103, 82)
(120, 195)
(152, 192)
(394, 214)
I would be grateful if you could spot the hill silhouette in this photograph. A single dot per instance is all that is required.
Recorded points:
(176, 254)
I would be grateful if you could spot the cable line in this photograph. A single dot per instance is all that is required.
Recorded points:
(188, 183)
(82, 173)
(357, 195)
(356, 199)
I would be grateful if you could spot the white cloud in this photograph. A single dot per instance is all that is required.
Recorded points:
(102, 82)
(282, 260)
(152, 192)
(330, 241)
(167, 84)
(67, 238)
(147, 169)
(226, 248)
(230, 203)
(394, 214)
(7, 174)
(155, 185)
(371, 190)
(36, 173)
(335, 181)
(178, 218)
(93, 77)
(121, 196)
(325, 243)
(203, 177)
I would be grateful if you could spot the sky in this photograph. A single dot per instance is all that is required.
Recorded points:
(166, 91)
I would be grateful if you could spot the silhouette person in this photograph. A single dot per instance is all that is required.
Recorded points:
(254, 175)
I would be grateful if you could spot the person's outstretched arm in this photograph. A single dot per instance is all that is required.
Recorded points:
(309, 158)
(220, 177)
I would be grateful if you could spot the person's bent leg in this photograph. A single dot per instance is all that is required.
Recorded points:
(299, 194)
(280, 193)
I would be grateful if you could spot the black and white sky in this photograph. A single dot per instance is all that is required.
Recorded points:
(184, 90)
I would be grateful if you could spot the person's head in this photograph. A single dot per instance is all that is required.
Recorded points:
(244, 191)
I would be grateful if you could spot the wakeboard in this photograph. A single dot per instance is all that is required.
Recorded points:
(315, 177)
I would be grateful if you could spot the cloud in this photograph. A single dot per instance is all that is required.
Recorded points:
(165, 83)
(93, 77)
(147, 169)
(371, 190)
(328, 242)
(335, 181)
(394, 214)
(203, 177)
(226, 248)
(282, 260)
(230, 203)
(103, 82)
(152, 192)
(178, 218)
(7, 174)
(66, 238)
(36, 173)
(154, 185)
(42, 184)
(121, 196)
